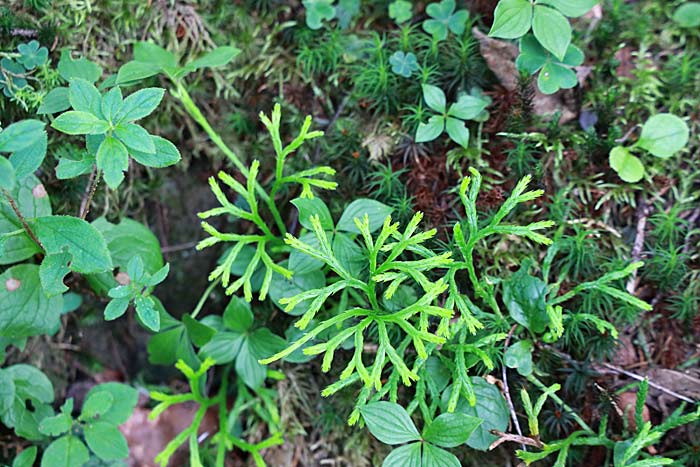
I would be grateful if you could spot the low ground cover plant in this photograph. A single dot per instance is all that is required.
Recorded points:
(401, 258)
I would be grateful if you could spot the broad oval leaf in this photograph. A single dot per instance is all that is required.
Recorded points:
(552, 30)
(430, 131)
(688, 15)
(404, 456)
(512, 19)
(376, 211)
(67, 451)
(571, 8)
(663, 135)
(139, 104)
(437, 457)
(450, 430)
(389, 423)
(106, 441)
(165, 154)
(435, 98)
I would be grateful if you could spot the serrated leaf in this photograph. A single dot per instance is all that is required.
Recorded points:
(145, 309)
(116, 308)
(113, 160)
(53, 269)
(111, 102)
(136, 71)
(80, 68)
(79, 123)
(26, 310)
(55, 101)
(165, 154)
(67, 451)
(106, 441)
(98, 403)
(139, 104)
(85, 244)
(84, 97)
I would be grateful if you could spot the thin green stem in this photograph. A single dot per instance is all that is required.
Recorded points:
(559, 401)
(203, 298)
(223, 413)
(181, 93)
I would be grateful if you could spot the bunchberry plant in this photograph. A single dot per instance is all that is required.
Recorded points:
(663, 135)
(449, 119)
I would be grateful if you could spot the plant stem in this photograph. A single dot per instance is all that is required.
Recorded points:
(203, 298)
(87, 201)
(559, 401)
(192, 109)
(221, 448)
(21, 218)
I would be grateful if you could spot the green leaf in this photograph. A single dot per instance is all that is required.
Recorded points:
(67, 451)
(512, 19)
(318, 11)
(81, 68)
(139, 104)
(223, 347)
(404, 456)
(238, 316)
(458, 131)
(450, 430)
(32, 55)
(111, 102)
(688, 15)
(26, 310)
(7, 174)
(148, 52)
(435, 98)
(429, 131)
(301, 263)
(113, 161)
(53, 269)
(216, 58)
(248, 368)
(554, 77)
(165, 155)
(199, 332)
(136, 71)
(146, 311)
(56, 425)
(349, 254)
(20, 135)
(26, 458)
(97, 404)
(32, 201)
(124, 399)
(130, 238)
(467, 107)
(281, 287)
(400, 11)
(552, 30)
(519, 356)
(84, 97)
(80, 123)
(663, 135)
(135, 137)
(313, 207)
(85, 244)
(571, 8)
(389, 423)
(524, 296)
(436, 457)
(445, 19)
(627, 166)
(490, 407)
(172, 343)
(264, 343)
(71, 168)
(376, 211)
(116, 308)
(403, 64)
(55, 101)
(28, 159)
(106, 441)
